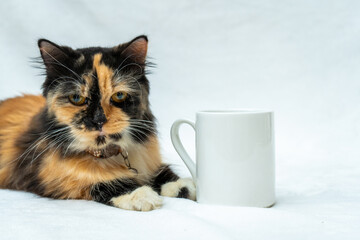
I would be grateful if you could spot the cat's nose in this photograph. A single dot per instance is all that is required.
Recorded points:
(99, 118)
(100, 124)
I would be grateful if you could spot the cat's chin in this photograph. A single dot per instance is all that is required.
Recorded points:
(110, 151)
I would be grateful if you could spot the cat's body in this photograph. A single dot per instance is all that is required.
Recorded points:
(92, 135)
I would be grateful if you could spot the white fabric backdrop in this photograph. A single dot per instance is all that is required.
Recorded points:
(299, 58)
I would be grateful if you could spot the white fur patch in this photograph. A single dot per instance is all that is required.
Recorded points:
(172, 189)
(141, 199)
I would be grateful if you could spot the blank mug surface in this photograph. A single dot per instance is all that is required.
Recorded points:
(235, 162)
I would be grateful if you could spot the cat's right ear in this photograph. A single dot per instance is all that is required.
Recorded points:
(52, 54)
(136, 49)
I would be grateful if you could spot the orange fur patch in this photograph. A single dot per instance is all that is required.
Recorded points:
(104, 75)
(16, 114)
(117, 119)
(73, 177)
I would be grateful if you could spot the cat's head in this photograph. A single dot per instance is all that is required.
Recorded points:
(98, 95)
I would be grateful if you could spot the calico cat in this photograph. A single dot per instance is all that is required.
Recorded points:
(91, 135)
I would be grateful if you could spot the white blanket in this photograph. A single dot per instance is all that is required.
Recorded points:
(311, 204)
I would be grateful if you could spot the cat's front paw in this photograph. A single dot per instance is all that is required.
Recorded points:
(182, 188)
(141, 199)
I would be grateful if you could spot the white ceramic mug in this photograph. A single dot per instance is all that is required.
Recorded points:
(235, 160)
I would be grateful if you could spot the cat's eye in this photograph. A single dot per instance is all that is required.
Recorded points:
(77, 100)
(119, 97)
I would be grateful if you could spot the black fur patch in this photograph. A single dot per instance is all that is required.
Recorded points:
(183, 193)
(116, 136)
(45, 134)
(142, 129)
(100, 140)
(94, 117)
(164, 175)
(130, 106)
(104, 192)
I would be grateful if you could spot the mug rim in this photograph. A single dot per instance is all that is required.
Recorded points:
(235, 111)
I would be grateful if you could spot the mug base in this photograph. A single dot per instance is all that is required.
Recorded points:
(267, 205)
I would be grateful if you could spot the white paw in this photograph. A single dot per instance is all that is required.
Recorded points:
(173, 189)
(141, 199)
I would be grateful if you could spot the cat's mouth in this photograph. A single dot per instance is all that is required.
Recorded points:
(110, 151)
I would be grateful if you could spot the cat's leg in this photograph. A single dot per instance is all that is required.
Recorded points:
(126, 194)
(168, 184)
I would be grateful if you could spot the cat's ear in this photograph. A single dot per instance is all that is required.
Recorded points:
(53, 54)
(136, 49)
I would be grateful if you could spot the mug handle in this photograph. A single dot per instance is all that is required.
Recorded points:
(175, 138)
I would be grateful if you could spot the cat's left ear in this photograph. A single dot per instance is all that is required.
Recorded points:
(53, 54)
(136, 49)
